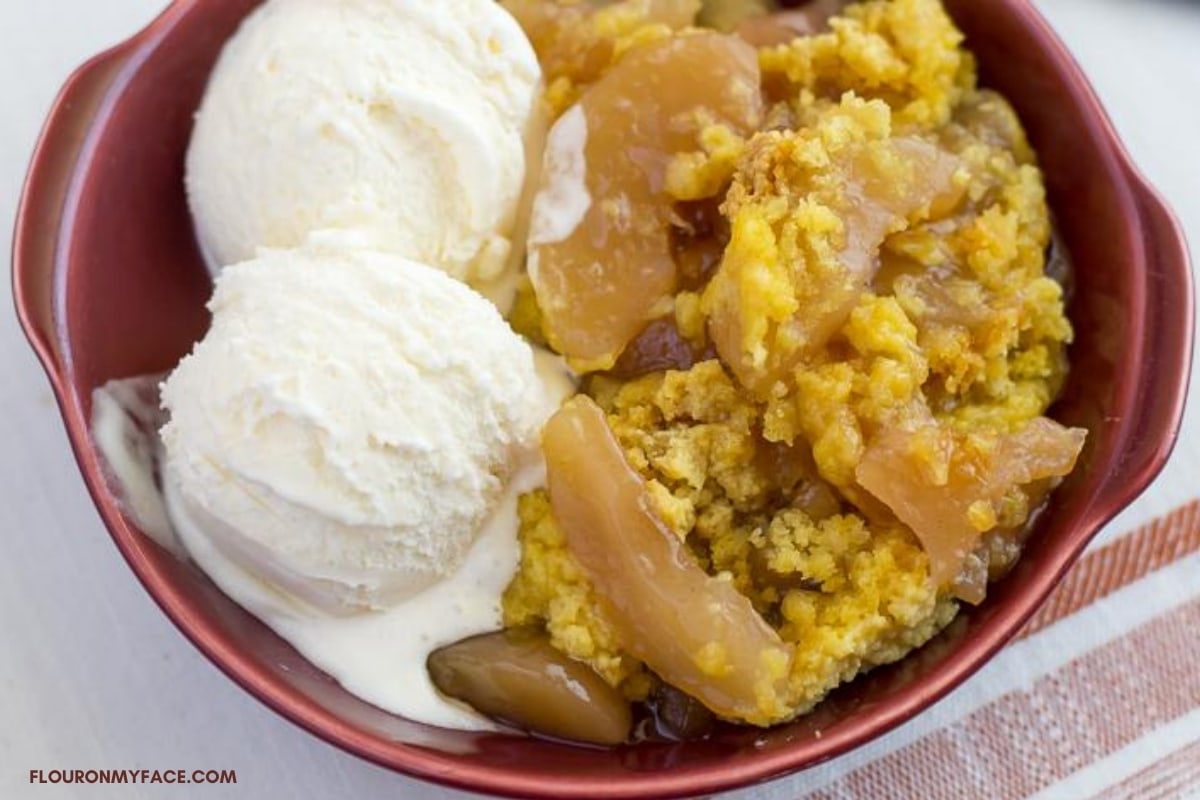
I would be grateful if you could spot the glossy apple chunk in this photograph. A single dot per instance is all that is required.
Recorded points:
(600, 248)
(517, 676)
(805, 243)
(576, 41)
(947, 486)
(697, 632)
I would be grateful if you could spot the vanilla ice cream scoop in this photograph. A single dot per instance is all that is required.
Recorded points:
(405, 121)
(348, 423)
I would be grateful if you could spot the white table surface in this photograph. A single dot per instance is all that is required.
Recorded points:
(93, 676)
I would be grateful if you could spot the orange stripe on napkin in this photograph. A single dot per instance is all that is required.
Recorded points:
(1119, 564)
(1169, 777)
(1085, 711)
(1025, 741)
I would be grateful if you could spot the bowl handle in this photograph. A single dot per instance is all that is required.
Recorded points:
(1167, 359)
(46, 199)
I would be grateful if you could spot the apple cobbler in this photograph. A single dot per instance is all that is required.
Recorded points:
(798, 256)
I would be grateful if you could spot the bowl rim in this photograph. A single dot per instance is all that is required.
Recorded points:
(121, 62)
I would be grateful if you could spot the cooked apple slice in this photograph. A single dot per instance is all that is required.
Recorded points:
(945, 486)
(600, 249)
(517, 676)
(696, 632)
(806, 238)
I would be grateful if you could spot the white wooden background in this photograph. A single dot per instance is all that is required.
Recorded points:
(92, 675)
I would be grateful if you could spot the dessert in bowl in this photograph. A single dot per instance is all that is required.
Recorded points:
(715, 382)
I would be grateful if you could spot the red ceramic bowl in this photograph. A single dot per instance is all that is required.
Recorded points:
(109, 284)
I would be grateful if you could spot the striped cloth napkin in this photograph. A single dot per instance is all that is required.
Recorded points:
(1098, 697)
